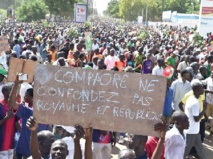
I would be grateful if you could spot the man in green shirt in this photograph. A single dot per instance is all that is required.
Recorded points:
(171, 60)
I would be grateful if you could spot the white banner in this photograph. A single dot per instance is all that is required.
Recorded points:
(206, 17)
(80, 13)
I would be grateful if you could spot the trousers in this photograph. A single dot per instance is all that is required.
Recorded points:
(194, 140)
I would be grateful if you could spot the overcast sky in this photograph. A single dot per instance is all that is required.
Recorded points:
(101, 5)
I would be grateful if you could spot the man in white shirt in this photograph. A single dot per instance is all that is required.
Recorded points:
(209, 99)
(110, 60)
(95, 45)
(158, 69)
(184, 64)
(192, 110)
(180, 87)
(174, 139)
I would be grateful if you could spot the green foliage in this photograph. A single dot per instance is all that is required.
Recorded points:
(88, 25)
(61, 7)
(143, 35)
(3, 13)
(130, 10)
(73, 32)
(32, 10)
(113, 9)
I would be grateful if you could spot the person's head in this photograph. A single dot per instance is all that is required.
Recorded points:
(61, 54)
(112, 52)
(52, 48)
(82, 56)
(210, 59)
(96, 51)
(126, 154)
(59, 150)
(22, 57)
(100, 64)
(13, 54)
(186, 58)
(45, 140)
(185, 74)
(6, 89)
(121, 57)
(160, 62)
(203, 70)
(76, 55)
(72, 46)
(28, 98)
(34, 49)
(33, 58)
(140, 50)
(195, 67)
(180, 120)
(49, 57)
(95, 60)
(137, 142)
(197, 88)
(148, 56)
(61, 61)
(115, 69)
(95, 41)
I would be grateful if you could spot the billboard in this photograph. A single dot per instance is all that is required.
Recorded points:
(206, 17)
(80, 13)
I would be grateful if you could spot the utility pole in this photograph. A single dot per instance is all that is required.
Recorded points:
(146, 11)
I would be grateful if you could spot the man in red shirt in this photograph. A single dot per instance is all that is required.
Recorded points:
(7, 126)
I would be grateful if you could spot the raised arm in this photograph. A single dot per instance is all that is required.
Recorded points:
(88, 143)
(14, 94)
(79, 133)
(33, 126)
(162, 127)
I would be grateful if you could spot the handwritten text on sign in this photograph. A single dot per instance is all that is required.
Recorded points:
(122, 102)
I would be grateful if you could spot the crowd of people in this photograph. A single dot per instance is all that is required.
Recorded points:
(170, 51)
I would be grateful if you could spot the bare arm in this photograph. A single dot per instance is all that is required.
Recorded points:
(181, 106)
(88, 143)
(79, 132)
(8, 115)
(33, 126)
(159, 148)
(197, 118)
(162, 127)
(13, 95)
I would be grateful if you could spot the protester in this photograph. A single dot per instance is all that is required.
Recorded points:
(169, 51)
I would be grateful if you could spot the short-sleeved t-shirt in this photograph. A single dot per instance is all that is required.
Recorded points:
(23, 145)
(100, 138)
(192, 108)
(171, 61)
(201, 99)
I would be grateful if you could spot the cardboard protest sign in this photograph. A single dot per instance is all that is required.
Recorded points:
(4, 45)
(15, 66)
(21, 66)
(114, 101)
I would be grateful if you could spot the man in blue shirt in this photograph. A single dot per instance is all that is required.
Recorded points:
(24, 112)
(17, 48)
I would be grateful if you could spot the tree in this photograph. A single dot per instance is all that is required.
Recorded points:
(130, 10)
(113, 9)
(32, 10)
(61, 7)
